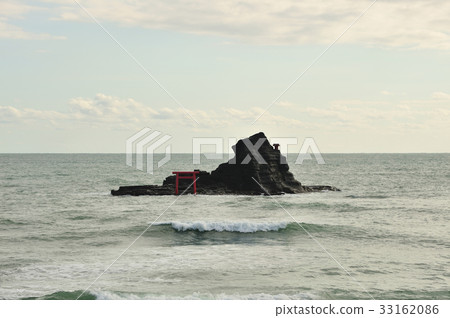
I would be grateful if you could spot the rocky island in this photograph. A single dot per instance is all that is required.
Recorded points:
(257, 168)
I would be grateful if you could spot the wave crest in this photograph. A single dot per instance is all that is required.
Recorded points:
(242, 227)
(108, 295)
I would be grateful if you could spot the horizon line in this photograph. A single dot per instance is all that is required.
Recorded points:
(202, 153)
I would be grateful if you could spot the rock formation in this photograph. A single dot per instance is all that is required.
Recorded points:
(257, 168)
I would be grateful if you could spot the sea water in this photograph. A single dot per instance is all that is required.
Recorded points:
(384, 236)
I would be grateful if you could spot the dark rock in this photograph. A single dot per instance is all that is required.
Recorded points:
(257, 168)
(143, 190)
(264, 167)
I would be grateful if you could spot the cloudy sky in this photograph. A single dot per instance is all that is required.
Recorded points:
(83, 76)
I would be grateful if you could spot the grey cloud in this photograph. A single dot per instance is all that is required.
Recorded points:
(403, 24)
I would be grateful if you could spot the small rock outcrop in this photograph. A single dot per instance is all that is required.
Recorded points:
(257, 168)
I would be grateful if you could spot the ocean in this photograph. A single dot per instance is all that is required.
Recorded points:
(384, 236)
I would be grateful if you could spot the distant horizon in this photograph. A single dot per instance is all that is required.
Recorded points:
(202, 153)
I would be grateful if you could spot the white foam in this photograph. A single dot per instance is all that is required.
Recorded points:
(107, 295)
(243, 227)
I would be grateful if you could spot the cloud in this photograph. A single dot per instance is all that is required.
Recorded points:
(285, 104)
(12, 10)
(247, 117)
(9, 31)
(104, 110)
(114, 112)
(405, 115)
(9, 114)
(413, 24)
(101, 109)
(244, 115)
(440, 95)
(358, 116)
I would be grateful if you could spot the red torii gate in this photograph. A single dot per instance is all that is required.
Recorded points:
(186, 175)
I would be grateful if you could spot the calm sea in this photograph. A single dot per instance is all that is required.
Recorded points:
(386, 235)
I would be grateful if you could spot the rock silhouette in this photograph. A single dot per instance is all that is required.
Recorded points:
(257, 168)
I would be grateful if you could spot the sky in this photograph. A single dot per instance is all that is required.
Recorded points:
(357, 76)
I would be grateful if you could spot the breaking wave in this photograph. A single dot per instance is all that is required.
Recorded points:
(108, 295)
(241, 227)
